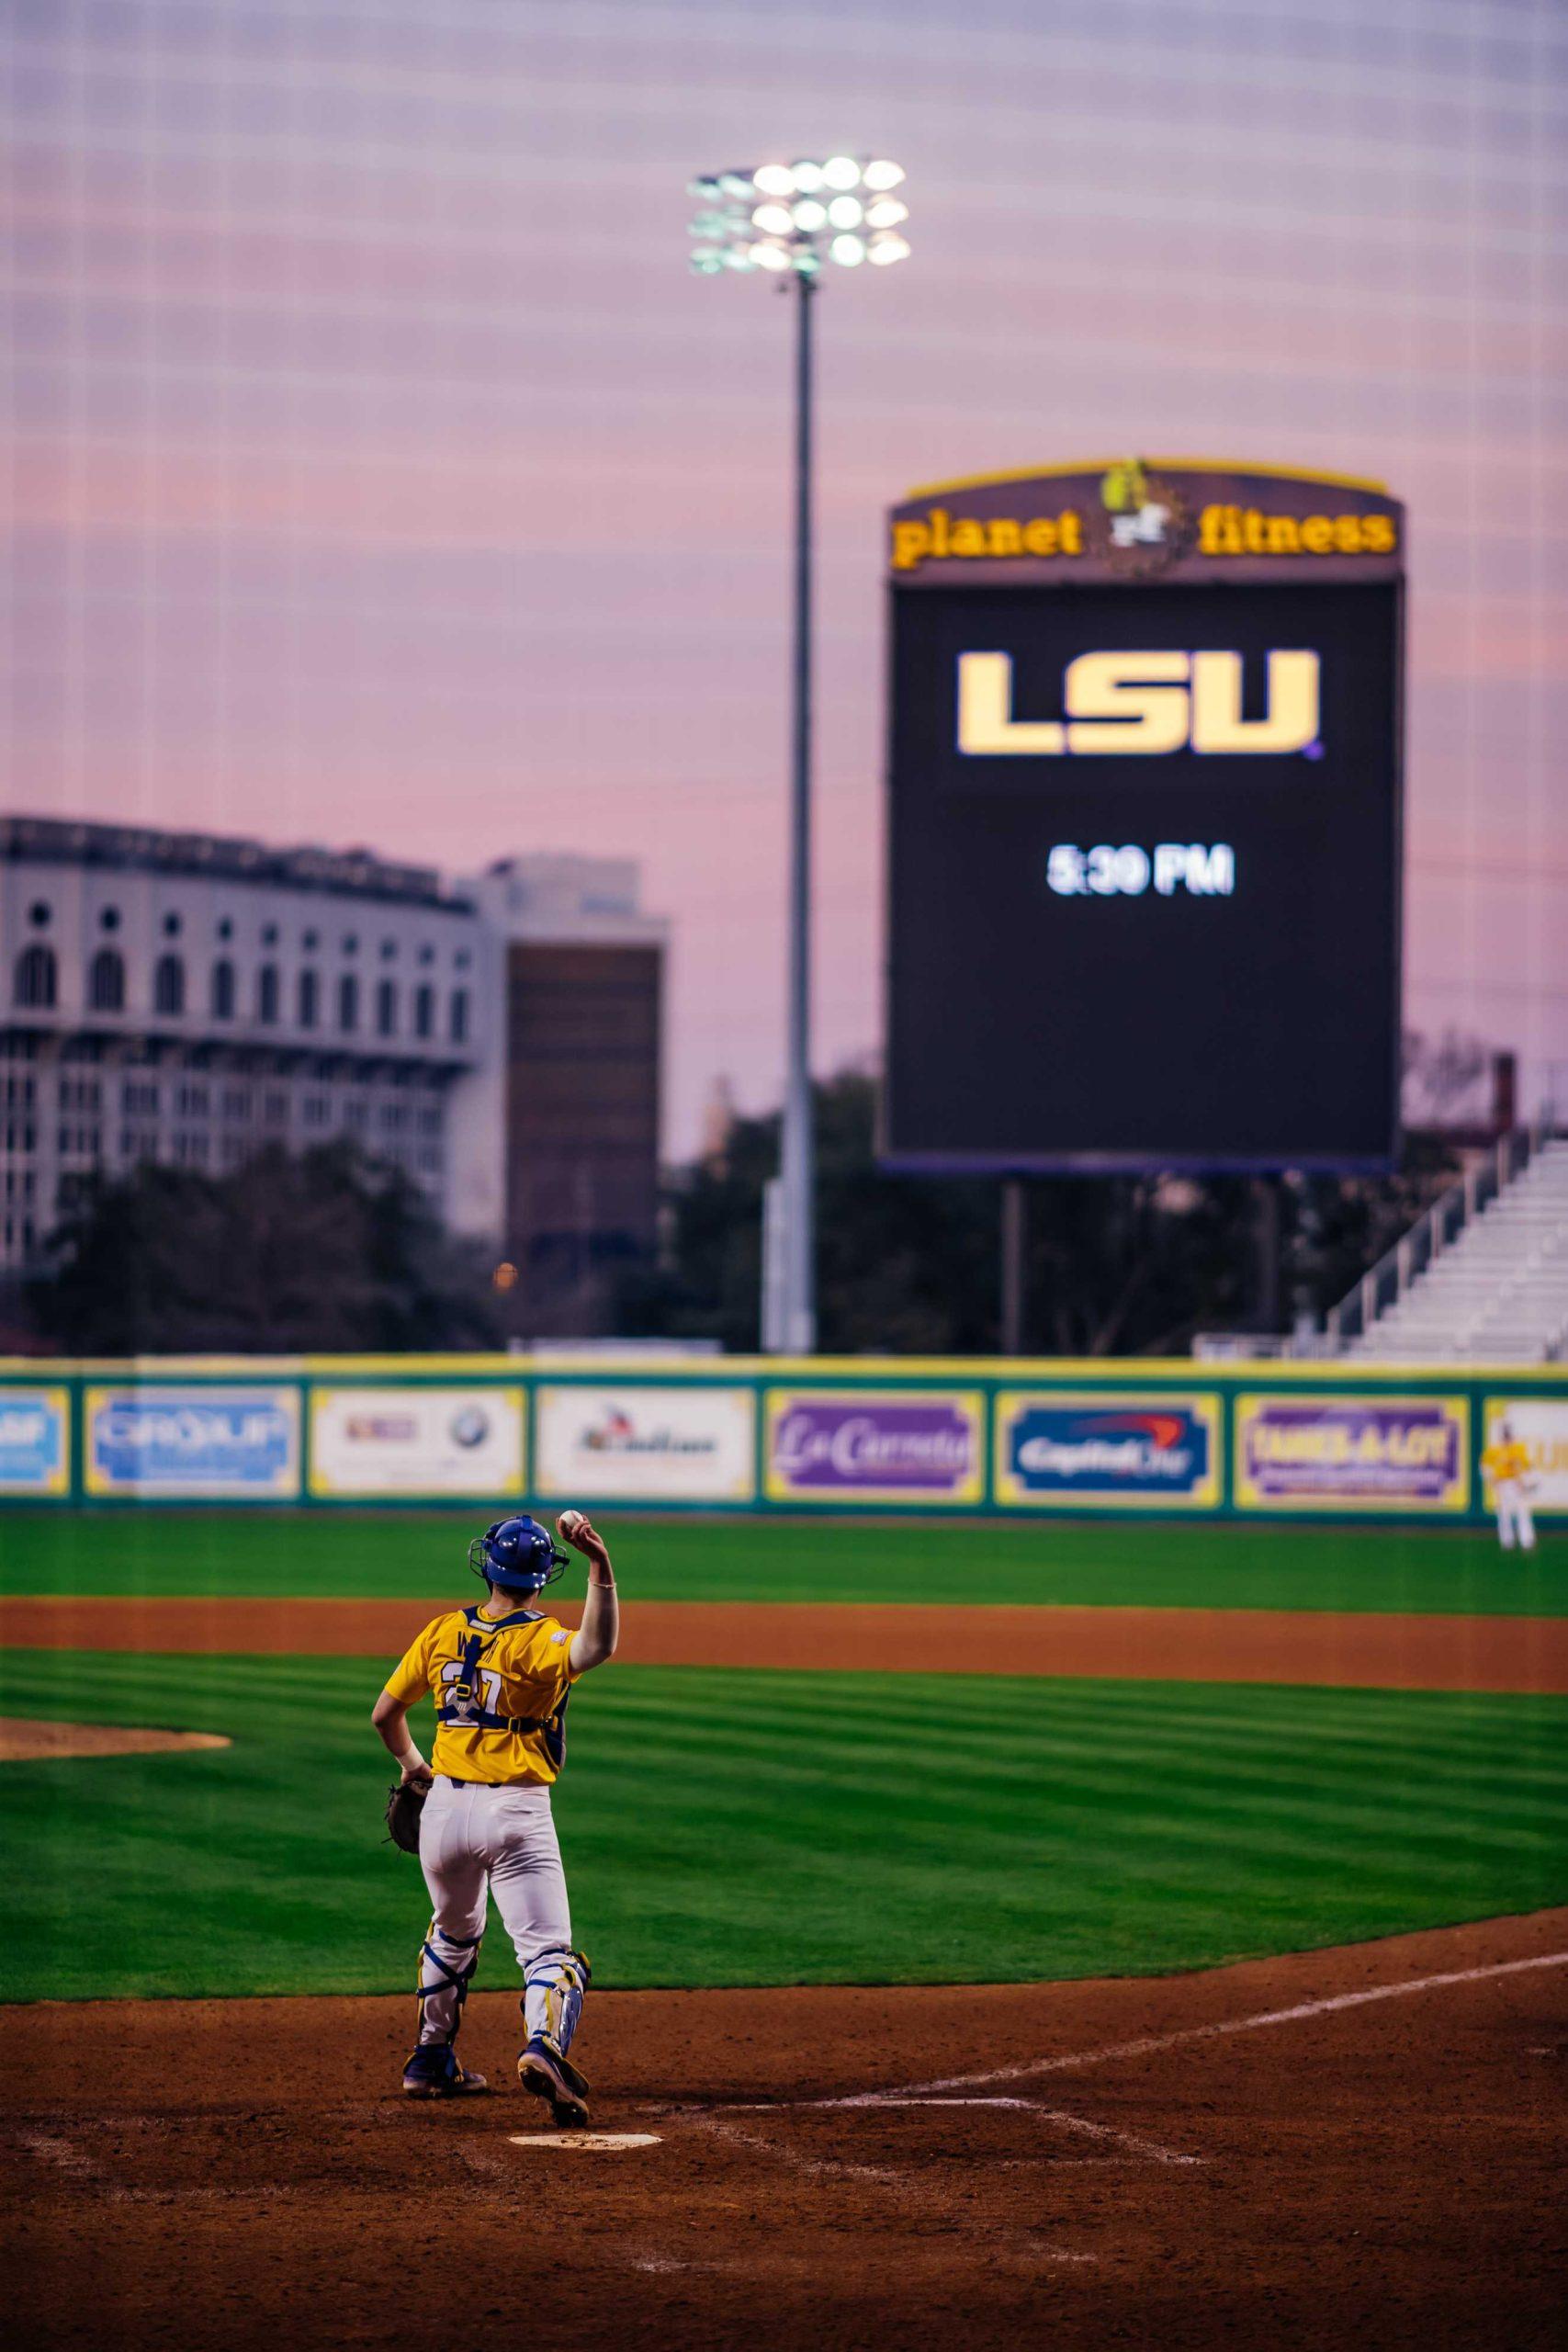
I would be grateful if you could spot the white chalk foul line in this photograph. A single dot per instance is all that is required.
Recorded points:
(1133, 2142)
(1146, 2044)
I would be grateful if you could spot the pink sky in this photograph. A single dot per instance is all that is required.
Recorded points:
(378, 474)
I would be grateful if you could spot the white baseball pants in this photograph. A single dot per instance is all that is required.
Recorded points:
(1515, 1520)
(474, 1841)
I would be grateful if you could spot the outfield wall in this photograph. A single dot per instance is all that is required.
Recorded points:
(754, 1434)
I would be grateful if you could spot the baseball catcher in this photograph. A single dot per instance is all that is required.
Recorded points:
(478, 1814)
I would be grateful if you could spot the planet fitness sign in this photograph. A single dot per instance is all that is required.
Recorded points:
(1154, 1451)
(212, 1442)
(853, 1446)
(1377, 1453)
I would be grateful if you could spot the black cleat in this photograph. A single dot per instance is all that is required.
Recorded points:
(544, 2071)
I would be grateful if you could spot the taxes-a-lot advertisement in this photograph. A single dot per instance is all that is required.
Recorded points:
(1378, 1452)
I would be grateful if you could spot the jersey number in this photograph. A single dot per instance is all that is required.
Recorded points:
(463, 1710)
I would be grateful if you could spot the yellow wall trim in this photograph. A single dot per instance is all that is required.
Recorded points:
(1173, 465)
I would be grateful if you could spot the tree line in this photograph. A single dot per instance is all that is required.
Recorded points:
(331, 1252)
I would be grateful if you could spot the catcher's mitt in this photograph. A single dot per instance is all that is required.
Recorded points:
(404, 1805)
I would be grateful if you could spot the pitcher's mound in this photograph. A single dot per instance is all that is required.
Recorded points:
(24, 1741)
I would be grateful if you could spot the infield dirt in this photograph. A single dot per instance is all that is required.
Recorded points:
(1364, 1649)
(26, 1740)
(245, 2175)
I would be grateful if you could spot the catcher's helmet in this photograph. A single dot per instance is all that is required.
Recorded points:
(517, 1555)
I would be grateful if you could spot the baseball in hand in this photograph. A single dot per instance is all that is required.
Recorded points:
(571, 1525)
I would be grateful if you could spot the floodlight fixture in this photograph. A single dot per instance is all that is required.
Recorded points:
(788, 222)
(806, 209)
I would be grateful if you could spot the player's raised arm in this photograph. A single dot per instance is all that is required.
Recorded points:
(595, 1640)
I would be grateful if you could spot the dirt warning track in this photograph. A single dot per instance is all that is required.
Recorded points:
(1359, 2146)
(1368, 1650)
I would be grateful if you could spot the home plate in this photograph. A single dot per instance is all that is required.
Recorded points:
(583, 2138)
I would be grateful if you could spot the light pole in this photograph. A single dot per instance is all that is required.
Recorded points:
(787, 220)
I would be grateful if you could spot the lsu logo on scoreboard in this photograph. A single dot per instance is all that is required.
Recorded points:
(1141, 705)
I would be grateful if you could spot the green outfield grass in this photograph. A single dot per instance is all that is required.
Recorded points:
(1122, 1563)
(725, 1829)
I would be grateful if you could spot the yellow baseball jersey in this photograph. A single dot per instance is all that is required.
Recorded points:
(500, 1685)
(1505, 1460)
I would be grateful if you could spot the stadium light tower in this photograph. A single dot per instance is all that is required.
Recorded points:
(791, 222)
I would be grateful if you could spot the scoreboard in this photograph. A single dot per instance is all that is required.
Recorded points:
(1143, 822)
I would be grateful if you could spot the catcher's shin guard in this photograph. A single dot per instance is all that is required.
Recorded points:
(554, 1984)
(444, 1975)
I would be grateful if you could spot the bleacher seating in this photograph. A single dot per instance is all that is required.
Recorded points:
(1498, 1293)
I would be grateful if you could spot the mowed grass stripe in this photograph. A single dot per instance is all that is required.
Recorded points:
(766, 1828)
(1130, 1562)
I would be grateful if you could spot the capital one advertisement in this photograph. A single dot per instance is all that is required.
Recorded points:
(857, 1446)
(1540, 1425)
(634, 1443)
(391, 1441)
(1361, 1453)
(218, 1443)
(1055, 1449)
(35, 1441)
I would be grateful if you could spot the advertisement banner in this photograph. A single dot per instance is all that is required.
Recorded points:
(859, 1446)
(1352, 1452)
(391, 1441)
(218, 1443)
(1157, 1450)
(633, 1443)
(1540, 1425)
(35, 1441)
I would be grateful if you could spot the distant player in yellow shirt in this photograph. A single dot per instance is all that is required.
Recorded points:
(1504, 1465)
(501, 1674)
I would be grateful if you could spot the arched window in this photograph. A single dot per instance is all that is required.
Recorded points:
(34, 980)
(460, 1015)
(223, 990)
(387, 1008)
(106, 981)
(309, 997)
(424, 1010)
(266, 993)
(168, 985)
(348, 1003)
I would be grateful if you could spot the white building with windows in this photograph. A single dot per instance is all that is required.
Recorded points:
(185, 999)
